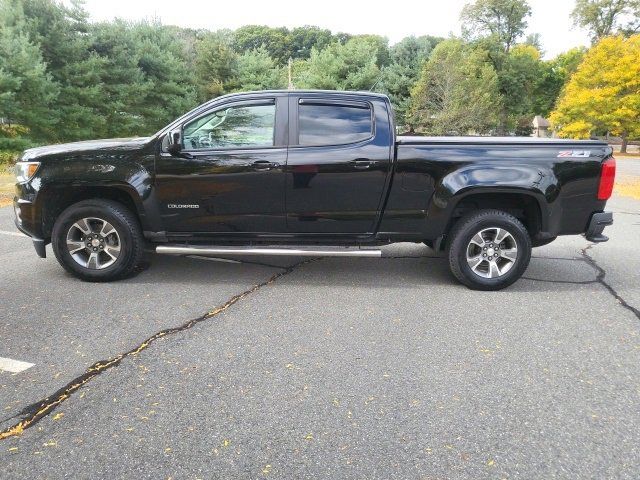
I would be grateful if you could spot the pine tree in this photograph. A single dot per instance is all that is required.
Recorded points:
(26, 90)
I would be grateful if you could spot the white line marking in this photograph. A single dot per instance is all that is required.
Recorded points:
(14, 366)
(13, 234)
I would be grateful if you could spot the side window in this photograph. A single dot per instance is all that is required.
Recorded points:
(333, 124)
(240, 126)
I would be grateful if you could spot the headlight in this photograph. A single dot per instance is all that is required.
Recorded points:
(25, 170)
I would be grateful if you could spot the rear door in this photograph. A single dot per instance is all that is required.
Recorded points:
(338, 163)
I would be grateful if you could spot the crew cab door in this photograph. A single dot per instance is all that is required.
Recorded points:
(229, 176)
(338, 164)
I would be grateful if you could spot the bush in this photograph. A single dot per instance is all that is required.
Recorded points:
(15, 144)
(7, 158)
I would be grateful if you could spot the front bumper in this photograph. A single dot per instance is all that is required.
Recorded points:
(25, 221)
(597, 225)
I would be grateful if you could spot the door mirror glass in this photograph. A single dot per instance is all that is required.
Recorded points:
(174, 142)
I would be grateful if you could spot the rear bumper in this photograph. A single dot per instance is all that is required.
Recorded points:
(597, 225)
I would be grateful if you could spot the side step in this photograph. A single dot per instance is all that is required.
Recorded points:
(294, 251)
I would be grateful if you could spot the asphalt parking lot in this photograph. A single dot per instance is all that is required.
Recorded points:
(334, 368)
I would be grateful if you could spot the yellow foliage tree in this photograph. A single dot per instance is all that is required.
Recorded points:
(604, 93)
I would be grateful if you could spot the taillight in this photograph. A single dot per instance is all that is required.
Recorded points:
(607, 177)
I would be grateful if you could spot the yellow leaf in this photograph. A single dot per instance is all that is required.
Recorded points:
(58, 416)
(266, 469)
(308, 436)
(490, 463)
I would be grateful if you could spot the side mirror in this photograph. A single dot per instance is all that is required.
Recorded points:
(174, 143)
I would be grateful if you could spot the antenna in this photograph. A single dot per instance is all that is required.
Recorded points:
(289, 68)
(376, 83)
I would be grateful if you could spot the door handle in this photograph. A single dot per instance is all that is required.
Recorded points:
(361, 163)
(264, 165)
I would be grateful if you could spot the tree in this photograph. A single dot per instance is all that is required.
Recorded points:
(351, 66)
(61, 33)
(504, 20)
(606, 17)
(256, 70)
(552, 77)
(301, 41)
(252, 37)
(519, 81)
(215, 65)
(26, 89)
(604, 93)
(400, 75)
(457, 92)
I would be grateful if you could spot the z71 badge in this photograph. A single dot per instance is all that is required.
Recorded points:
(574, 154)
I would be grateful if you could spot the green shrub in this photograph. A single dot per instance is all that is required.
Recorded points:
(7, 158)
(15, 144)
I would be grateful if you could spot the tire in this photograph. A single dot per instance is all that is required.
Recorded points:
(98, 240)
(472, 245)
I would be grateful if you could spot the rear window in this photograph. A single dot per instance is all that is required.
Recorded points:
(333, 124)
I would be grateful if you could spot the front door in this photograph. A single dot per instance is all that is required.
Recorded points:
(338, 164)
(229, 176)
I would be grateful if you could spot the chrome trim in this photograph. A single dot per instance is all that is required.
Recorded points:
(280, 251)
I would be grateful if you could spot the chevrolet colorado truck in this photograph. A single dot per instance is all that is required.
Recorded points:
(309, 173)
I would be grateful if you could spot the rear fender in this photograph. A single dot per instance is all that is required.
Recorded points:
(539, 183)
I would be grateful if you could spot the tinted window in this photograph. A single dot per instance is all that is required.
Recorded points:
(333, 124)
(241, 126)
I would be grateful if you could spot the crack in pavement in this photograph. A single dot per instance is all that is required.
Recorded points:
(37, 411)
(570, 282)
(600, 278)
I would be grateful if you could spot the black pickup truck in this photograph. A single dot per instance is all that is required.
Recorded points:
(309, 173)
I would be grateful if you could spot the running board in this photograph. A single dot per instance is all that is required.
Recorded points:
(281, 251)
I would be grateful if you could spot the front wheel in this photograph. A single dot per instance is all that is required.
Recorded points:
(489, 250)
(98, 240)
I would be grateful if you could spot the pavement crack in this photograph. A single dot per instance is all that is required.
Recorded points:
(600, 278)
(569, 282)
(235, 260)
(37, 411)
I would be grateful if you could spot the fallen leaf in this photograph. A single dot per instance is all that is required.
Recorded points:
(58, 416)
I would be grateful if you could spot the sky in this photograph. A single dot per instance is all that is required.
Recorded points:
(395, 20)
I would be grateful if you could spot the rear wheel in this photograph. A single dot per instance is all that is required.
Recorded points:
(489, 250)
(98, 240)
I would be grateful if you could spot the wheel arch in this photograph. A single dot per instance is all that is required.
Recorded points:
(54, 199)
(527, 206)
